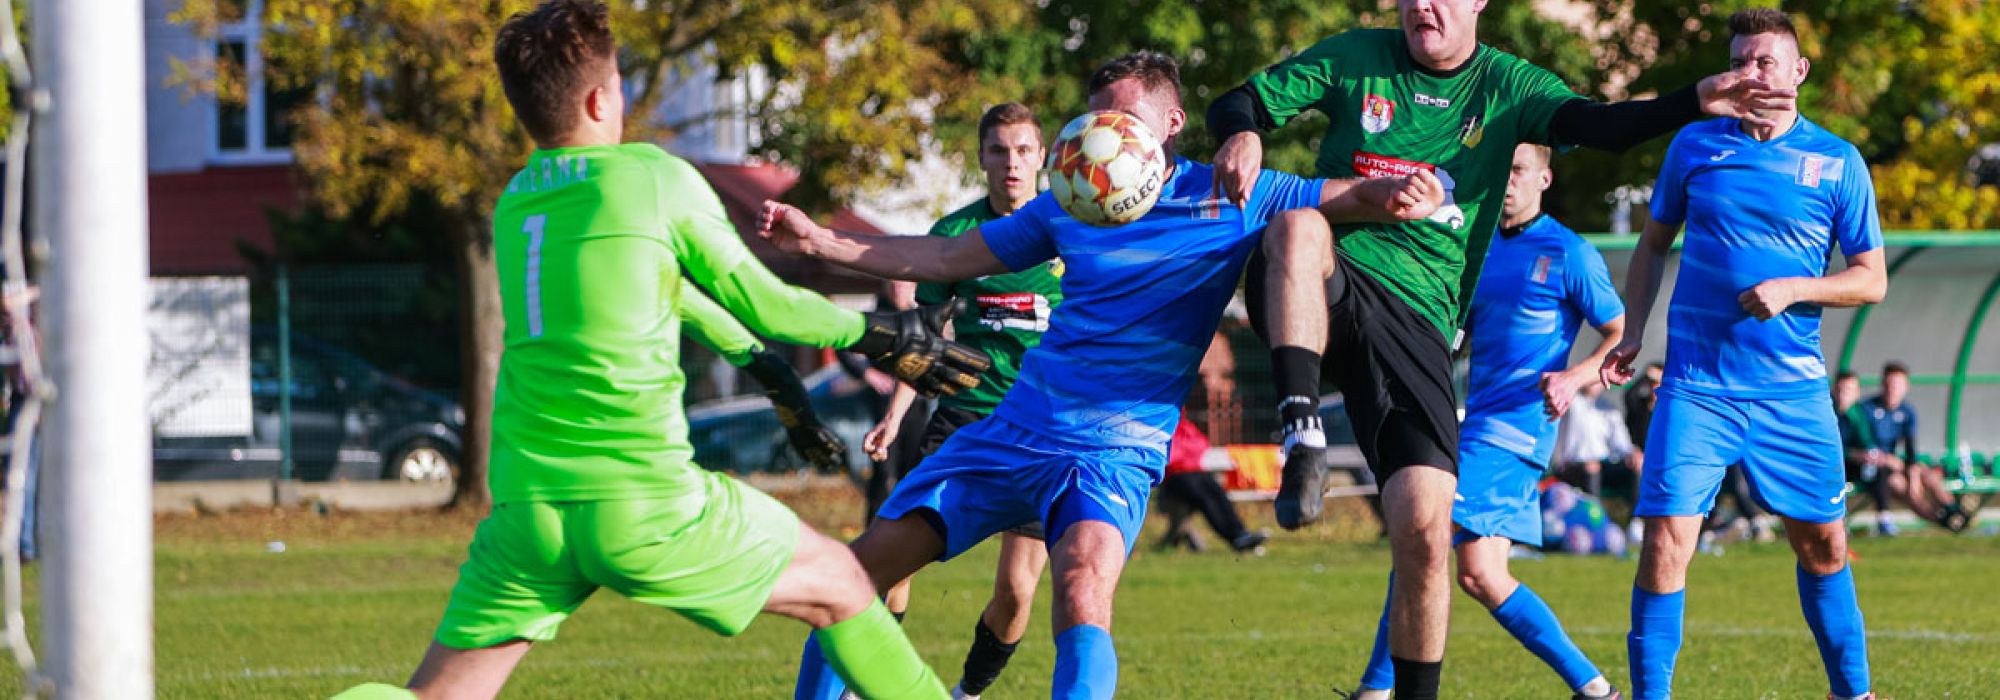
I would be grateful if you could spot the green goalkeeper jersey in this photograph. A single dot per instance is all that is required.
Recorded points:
(1392, 117)
(1005, 314)
(591, 245)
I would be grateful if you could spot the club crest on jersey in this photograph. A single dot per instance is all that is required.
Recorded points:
(1376, 113)
(1208, 209)
(1540, 275)
(1056, 267)
(1472, 131)
(1810, 168)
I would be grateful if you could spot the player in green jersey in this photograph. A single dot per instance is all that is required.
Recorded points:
(1008, 314)
(1384, 302)
(591, 474)
(712, 326)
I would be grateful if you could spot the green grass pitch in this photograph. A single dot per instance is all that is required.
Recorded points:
(355, 600)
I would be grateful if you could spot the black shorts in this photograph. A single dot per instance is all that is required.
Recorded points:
(945, 421)
(1392, 366)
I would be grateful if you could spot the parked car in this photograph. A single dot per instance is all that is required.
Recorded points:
(350, 420)
(741, 434)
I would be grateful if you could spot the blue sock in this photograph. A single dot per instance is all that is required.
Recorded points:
(1834, 613)
(1086, 664)
(1530, 620)
(1380, 674)
(817, 680)
(1654, 641)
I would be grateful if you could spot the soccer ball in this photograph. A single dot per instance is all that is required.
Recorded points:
(1106, 168)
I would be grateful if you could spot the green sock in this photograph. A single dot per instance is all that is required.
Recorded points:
(870, 652)
(375, 691)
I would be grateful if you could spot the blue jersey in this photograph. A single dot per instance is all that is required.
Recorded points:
(1140, 304)
(1756, 210)
(1536, 287)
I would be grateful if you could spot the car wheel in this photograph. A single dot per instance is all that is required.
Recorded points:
(422, 461)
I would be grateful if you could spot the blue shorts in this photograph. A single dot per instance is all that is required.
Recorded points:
(1789, 450)
(1497, 494)
(993, 475)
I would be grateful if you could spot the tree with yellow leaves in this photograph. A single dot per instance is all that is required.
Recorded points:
(407, 111)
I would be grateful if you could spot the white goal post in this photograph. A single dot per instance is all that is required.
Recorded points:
(89, 163)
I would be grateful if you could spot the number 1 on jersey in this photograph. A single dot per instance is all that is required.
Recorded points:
(533, 226)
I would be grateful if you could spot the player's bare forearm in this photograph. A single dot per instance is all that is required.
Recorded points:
(899, 403)
(1642, 288)
(1865, 281)
(1609, 335)
(1643, 276)
(915, 258)
(1382, 199)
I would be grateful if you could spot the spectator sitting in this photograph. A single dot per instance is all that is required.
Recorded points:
(1888, 422)
(1189, 488)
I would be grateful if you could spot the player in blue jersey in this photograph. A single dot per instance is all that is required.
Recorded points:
(1764, 208)
(1081, 438)
(1541, 281)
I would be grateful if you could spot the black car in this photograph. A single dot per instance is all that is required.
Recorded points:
(350, 420)
(741, 434)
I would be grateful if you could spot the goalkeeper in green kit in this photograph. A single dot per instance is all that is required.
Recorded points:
(592, 479)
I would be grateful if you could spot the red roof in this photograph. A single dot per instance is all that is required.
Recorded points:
(198, 219)
(743, 189)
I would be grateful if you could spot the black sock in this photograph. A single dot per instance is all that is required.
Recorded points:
(984, 662)
(898, 615)
(1297, 372)
(1416, 680)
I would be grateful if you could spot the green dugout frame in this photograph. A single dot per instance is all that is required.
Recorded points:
(1971, 471)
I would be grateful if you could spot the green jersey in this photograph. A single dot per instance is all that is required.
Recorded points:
(591, 245)
(1006, 314)
(1392, 117)
(712, 326)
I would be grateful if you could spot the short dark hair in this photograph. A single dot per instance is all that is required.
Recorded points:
(1845, 375)
(1155, 70)
(1007, 114)
(1894, 367)
(548, 57)
(1761, 20)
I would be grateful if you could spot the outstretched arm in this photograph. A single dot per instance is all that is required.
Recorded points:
(919, 258)
(1616, 126)
(714, 328)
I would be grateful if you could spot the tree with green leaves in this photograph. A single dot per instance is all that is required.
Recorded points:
(408, 116)
(1908, 81)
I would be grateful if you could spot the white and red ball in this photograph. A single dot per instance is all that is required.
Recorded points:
(1106, 168)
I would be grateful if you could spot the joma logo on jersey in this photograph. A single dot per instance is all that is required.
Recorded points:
(1810, 168)
(1376, 113)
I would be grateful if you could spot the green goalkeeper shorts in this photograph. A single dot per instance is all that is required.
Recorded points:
(713, 556)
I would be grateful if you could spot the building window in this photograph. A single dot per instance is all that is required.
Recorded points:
(256, 129)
